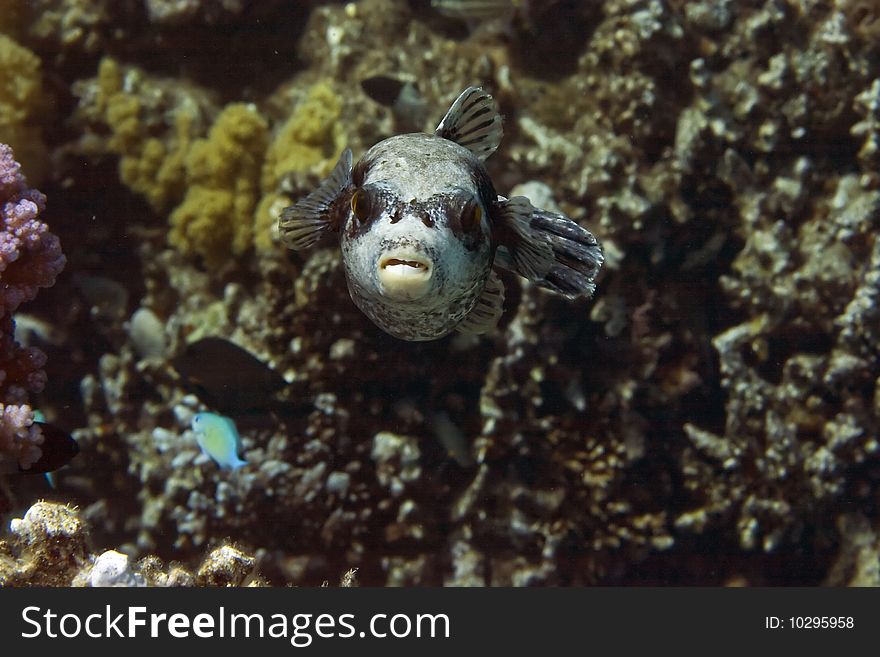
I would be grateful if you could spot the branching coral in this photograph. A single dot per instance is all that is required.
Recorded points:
(30, 258)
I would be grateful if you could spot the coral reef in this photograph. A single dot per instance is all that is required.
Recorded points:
(215, 218)
(49, 546)
(215, 176)
(21, 105)
(858, 563)
(149, 124)
(66, 25)
(710, 417)
(177, 12)
(30, 258)
(306, 145)
(46, 546)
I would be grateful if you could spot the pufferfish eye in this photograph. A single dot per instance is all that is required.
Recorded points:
(361, 205)
(471, 216)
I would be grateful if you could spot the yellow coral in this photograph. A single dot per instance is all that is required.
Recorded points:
(269, 209)
(157, 170)
(225, 185)
(21, 102)
(215, 219)
(312, 136)
(310, 141)
(148, 165)
(109, 81)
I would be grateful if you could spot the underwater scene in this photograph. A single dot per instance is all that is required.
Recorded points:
(439, 292)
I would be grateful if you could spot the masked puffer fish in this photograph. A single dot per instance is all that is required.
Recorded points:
(421, 227)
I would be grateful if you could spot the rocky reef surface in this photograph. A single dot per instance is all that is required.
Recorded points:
(710, 417)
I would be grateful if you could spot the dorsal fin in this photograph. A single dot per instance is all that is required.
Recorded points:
(473, 121)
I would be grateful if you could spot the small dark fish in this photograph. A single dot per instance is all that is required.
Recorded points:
(107, 299)
(422, 229)
(383, 89)
(227, 377)
(409, 108)
(58, 449)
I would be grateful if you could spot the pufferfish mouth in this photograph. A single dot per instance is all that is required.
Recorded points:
(405, 276)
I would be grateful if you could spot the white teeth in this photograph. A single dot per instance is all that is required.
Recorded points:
(404, 275)
(404, 269)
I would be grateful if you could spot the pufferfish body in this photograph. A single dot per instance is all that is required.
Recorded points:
(421, 229)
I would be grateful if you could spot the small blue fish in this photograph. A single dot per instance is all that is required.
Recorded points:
(218, 438)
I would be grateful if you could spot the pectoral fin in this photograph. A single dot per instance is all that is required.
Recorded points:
(485, 315)
(547, 248)
(473, 121)
(308, 220)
